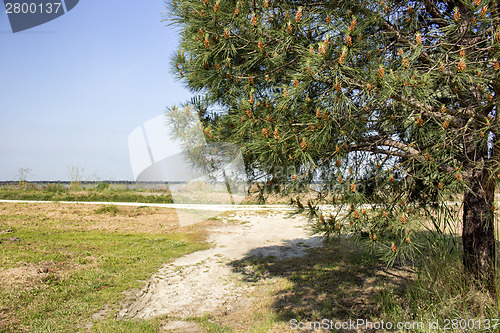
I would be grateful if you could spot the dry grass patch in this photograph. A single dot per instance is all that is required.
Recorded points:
(61, 263)
(29, 275)
(86, 217)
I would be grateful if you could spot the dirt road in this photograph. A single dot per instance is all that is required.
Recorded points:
(204, 282)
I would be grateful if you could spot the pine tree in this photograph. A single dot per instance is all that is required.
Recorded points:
(394, 102)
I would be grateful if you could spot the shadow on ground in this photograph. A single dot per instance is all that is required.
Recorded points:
(339, 281)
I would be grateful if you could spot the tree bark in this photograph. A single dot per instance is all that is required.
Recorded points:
(478, 233)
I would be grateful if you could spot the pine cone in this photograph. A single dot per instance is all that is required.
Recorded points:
(298, 16)
(303, 145)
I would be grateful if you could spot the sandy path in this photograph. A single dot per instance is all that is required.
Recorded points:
(204, 282)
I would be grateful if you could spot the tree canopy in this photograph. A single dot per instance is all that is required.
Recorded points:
(387, 105)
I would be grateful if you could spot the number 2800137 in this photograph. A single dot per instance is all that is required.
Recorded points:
(33, 8)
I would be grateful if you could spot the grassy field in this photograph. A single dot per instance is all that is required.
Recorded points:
(66, 267)
(102, 192)
(60, 264)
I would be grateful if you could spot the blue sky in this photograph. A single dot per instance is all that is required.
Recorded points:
(73, 89)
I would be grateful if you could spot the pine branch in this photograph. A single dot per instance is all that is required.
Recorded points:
(435, 13)
(374, 144)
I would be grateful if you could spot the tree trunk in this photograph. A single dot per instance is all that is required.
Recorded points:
(478, 234)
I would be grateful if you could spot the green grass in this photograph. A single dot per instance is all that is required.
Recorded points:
(126, 326)
(101, 193)
(111, 209)
(441, 290)
(64, 275)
